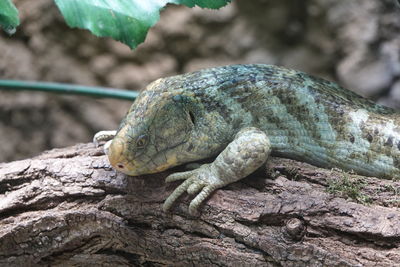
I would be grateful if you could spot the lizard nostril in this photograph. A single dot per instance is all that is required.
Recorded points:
(120, 166)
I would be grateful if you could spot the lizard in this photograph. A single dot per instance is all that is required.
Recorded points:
(242, 114)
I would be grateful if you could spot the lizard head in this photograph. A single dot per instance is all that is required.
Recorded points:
(153, 134)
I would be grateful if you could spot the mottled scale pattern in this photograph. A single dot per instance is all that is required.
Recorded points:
(197, 115)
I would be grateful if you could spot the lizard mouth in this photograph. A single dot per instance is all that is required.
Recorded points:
(117, 159)
(116, 156)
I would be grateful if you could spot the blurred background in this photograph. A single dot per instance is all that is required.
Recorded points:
(354, 42)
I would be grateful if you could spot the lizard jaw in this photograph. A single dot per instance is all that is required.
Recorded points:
(117, 159)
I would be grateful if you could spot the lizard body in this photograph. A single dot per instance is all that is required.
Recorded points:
(242, 113)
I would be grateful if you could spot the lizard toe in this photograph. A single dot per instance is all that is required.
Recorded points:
(176, 194)
(196, 202)
(103, 136)
(195, 187)
(178, 176)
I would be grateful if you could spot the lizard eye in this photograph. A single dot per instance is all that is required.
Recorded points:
(141, 141)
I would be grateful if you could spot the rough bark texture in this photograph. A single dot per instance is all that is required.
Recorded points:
(68, 207)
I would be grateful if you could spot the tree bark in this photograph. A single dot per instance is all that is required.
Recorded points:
(69, 207)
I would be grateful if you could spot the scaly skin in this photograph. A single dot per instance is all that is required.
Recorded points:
(244, 112)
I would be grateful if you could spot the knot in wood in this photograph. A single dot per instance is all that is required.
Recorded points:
(295, 228)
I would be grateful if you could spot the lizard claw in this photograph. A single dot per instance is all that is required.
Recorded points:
(201, 180)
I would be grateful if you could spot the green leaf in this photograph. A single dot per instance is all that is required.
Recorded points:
(8, 16)
(124, 20)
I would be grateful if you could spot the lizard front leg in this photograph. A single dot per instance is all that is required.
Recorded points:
(246, 153)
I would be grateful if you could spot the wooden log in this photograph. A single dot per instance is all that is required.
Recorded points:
(69, 207)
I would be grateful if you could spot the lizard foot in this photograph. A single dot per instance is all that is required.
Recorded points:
(203, 180)
(104, 136)
(245, 154)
